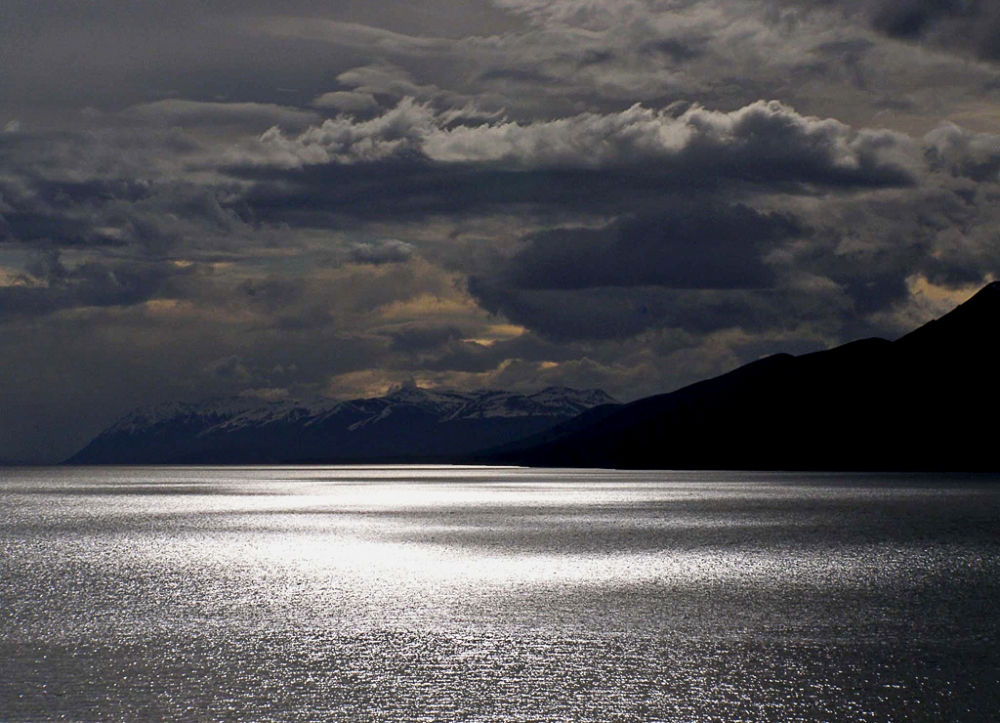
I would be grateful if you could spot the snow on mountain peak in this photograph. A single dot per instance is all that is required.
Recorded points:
(231, 413)
(225, 412)
(408, 423)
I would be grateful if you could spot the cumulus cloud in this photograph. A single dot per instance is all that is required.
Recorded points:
(346, 140)
(390, 251)
(963, 153)
(764, 141)
(675, 198)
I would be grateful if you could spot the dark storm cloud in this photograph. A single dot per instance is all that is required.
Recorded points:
(65, 193)
(619, 314)
(442, 349)
(445, 349)
(423, 337)
(272, 294)
(958, 24)
(339, 196)
(464, 357)
(566, 315)
(471, 357)
(62, 212)
(962, 153)
(689, 246)
(49, 286)
(29, 226)
(961, 26)
(843, 270)
(156, 219)
(832, 310)
(410, 162)
(136, 190)
(517, 192)
(662, 172)
(964, 237)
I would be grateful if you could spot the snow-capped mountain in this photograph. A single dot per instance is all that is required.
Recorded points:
(219, 414)
(411, 423)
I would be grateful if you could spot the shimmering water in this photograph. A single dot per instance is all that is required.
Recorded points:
(443, 594)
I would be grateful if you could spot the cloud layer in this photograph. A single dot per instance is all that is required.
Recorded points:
(631, 194)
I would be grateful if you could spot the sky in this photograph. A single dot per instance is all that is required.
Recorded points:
(233, 197)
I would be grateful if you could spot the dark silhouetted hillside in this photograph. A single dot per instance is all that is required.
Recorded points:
(928, 401)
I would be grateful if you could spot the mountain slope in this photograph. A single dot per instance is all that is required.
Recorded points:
(408, 425)
(925, 402)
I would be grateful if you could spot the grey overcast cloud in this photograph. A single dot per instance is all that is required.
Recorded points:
(309, 198)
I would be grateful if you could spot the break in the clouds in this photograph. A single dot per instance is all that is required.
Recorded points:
(335, 198)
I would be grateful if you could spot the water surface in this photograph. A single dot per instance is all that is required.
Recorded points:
(450, 594)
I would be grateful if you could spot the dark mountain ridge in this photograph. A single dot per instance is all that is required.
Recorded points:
(927, 401)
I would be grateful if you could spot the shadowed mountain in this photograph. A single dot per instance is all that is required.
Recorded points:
(408, 425)
(928, 401)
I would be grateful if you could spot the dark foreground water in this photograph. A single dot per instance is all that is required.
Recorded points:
(442, 594)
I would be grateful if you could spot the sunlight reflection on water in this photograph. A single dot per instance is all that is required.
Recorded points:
(496, 594)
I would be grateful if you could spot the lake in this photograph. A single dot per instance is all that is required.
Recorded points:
(492, 594)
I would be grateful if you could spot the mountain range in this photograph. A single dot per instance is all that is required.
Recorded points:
(411, 424)
(927, 401)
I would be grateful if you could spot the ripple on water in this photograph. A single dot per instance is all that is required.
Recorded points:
(496, 595)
